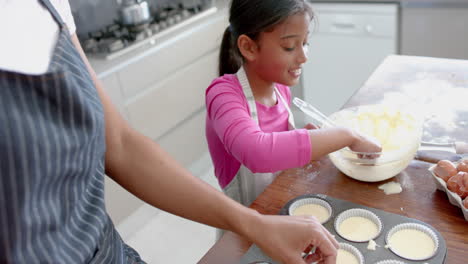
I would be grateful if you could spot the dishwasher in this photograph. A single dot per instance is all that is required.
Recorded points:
(347, 42)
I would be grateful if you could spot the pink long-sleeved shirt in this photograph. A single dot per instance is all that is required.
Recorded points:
(234, 138)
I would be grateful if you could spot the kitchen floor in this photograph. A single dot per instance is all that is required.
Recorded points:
(166, 238)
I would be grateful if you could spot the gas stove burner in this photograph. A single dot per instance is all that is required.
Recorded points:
(118, 38)
(112, 44)
(138, 28)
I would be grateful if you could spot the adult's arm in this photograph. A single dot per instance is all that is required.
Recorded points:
(140, 165)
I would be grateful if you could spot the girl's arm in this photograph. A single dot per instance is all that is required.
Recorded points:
(269, 152)
(139, 165)
(242, 137)
(328, 140)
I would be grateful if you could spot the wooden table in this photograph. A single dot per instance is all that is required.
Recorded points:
(439, 84)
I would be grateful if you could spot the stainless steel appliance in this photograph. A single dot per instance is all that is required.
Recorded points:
(134, 12)
(137, 26)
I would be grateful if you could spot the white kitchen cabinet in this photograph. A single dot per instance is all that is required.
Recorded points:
(114, 91)
(162, 95)
(170, 56)
(435, 31)
(174, 100)
(347, 42)
(119, 202)
(187, 142)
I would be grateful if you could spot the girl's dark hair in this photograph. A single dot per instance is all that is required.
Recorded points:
(251, 17)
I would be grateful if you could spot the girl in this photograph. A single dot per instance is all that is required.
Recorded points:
(249, 125)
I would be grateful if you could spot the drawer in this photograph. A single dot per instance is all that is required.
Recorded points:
(164, 105)
(354, 19)
(171, 55)
(187, 142)
(112, 88)
(119, 202)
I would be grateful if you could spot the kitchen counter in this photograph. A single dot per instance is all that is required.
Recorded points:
(401, 79)
(104, 67)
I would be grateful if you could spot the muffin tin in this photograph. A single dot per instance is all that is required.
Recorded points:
(381, 255)
(454, 198)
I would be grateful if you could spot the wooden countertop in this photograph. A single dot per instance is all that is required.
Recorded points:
(438, 84)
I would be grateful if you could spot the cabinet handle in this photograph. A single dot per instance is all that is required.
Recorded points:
(341, 25)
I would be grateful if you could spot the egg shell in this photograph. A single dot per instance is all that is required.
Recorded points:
(463, 166)
(456, 184)
(445, 169)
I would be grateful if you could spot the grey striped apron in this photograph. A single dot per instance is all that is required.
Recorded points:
(52, 147)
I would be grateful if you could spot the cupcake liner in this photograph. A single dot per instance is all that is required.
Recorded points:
(317, 201)
(353, 250)
(389, 261)
(413, 226)
(357, 212)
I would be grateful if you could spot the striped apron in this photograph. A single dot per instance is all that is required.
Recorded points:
(52, 148)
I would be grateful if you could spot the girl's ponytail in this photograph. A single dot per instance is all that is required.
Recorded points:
(229, 61)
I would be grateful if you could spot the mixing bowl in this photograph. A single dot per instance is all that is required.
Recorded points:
(398, 131)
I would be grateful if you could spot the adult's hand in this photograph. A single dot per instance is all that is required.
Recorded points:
(284, 238)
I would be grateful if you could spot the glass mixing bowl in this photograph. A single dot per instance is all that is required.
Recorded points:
(398, 131)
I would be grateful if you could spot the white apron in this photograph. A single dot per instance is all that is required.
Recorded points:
(246, 185)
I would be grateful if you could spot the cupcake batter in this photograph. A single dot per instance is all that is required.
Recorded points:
(320, 212)
(412, 244)
(346, 257)
(391, 188)
(358, 228)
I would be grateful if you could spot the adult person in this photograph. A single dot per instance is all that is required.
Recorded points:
(60, 135)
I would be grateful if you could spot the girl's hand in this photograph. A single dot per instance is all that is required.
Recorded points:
(285, 238)
(310, 126)
(366, 144)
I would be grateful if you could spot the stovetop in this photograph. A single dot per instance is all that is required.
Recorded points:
(116, 39)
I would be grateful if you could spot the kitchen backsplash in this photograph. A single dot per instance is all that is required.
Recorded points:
(91, 15)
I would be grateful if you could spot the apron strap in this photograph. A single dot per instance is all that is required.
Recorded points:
(47, 4)
(244, 81)
(242, 76)
(291, 123)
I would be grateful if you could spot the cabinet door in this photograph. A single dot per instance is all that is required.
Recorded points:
(173, 114)
(187, 142)
(113, 90)
(170, 56)
(119, 202)
(339, 67)
(346, 45)
(435, 32)
(166, 104)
